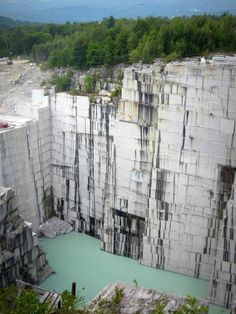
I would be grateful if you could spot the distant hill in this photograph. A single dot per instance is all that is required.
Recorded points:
(6, 22)
(60, 11)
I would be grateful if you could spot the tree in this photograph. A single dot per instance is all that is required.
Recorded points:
(28, 303)
(109, 22)
(108, 51)
(79, 52)
(121, 47)
(93, 54)
(121, 40)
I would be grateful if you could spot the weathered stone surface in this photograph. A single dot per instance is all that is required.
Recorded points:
(54, 227)
(153, 178)
(138, 299)
(25, 151)
(20, 256)
(147, 179)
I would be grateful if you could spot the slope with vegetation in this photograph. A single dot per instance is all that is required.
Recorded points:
(115, 41)
(6, 22)
(28, 302)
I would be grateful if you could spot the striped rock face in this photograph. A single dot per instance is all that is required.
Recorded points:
(21, 257)
(153, 178)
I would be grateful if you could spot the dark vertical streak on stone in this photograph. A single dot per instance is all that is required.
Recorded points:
(226, 181)
(63, 154)
(132, 238)
(68, 193)
(198, 259)
(158, 150)
(91, 187)
(33, 176)
(77, 173)
(185, 121)
(108, 156)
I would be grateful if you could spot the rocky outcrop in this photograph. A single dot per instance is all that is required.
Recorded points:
(20, 256)
(54, 227)
(129, 299)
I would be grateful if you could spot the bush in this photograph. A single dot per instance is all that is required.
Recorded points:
(62, 82)
(89, 84)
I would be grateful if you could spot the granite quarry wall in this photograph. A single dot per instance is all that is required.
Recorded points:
(20, 255)
(25, 152)
(153, 178)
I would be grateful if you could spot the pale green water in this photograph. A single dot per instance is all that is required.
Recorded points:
(77, 257)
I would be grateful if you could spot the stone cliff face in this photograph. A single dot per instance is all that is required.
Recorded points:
(25, 151)
(20, 255)
(154, 178)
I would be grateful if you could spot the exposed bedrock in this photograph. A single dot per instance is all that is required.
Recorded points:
(153, 178)
(20, 256)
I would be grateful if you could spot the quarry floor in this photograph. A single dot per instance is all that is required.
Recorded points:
(17, 82)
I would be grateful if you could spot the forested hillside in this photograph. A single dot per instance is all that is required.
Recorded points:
(114, 41)
(6, 22)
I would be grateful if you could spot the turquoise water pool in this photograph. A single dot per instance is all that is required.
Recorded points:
(77, 257)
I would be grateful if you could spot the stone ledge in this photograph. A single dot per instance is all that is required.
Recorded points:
(54, 227)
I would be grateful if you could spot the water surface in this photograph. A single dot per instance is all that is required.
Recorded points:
(77, 257)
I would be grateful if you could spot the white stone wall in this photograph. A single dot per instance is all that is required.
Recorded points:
(82, 157)
(153, 178)
(189, 226)
(25, 152)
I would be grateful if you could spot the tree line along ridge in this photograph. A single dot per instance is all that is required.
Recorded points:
(113, 41)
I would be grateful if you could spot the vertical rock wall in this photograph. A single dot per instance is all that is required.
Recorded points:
(82, 159)
(190, 209)
(20, 256)
(154, 178)
(25, 151)
(222, 288)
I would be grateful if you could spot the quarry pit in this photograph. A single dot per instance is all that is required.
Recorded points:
(153, 177)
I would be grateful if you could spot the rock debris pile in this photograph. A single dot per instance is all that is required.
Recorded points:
(54, 227)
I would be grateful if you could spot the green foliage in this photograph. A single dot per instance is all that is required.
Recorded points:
(94, 54)
(89, 84)
(6, 22)
(171, 57)
(160, 307)
(114, 41)
(110, 306)
(71, 304)
(192, 307)
(28, 303)
(7, 298)
(62, 82)
(117, 91)
(109, 22)
(118, 296)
